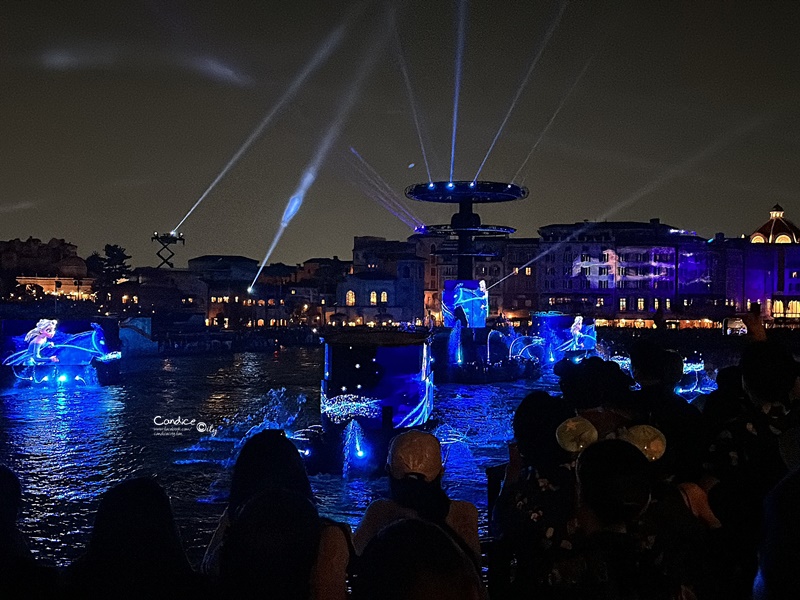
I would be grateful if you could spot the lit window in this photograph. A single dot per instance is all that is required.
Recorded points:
(600, 302)
(667, 303)
(294, 292)
(623, 304)
(350, 298)
(655, 303)
(516, 270)
(226, 299)
(125, 299)
(385, 297)
(213, 298)
(527, 271)
(640, 304)
(373, 297)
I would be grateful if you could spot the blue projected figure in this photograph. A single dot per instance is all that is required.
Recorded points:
(465, 304)
(579, 339)
(37, 338)
(70, 358)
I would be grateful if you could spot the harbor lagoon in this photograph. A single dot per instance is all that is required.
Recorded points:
(182, 419)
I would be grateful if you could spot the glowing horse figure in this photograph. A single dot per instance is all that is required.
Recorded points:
(74, 355)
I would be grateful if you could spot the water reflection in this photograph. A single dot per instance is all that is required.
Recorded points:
(70, 446)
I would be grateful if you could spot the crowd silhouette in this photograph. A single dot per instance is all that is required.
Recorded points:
(616, 489)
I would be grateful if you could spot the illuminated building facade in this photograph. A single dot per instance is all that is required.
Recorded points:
(386, 285)
(627, 273)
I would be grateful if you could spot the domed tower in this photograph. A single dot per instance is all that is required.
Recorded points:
(778, 230)
(72, 267)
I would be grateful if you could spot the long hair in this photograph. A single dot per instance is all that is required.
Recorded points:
(427, 499)
(267, 461)
(272, 547)
(134, 530)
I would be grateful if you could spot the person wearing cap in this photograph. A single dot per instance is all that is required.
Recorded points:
(415, 472)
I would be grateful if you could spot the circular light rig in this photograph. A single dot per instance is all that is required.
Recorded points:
(453, 192)
(465, 225)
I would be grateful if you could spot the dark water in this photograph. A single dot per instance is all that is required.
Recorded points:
(69, 446)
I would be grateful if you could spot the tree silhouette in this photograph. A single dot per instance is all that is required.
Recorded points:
(110, 268)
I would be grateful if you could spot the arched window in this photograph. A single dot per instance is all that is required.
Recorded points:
(794, 309)
(757, 239)
(777, 308)
(373, 297)
(385, 297)
(783, 239)
(350, 298)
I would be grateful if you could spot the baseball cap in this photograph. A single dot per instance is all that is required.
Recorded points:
(415, 453)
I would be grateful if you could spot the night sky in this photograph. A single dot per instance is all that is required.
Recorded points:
(116, 117)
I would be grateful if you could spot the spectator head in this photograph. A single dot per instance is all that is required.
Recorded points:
(673, 368)
(613, 481)
(415, 454)
(272, 546)
(134, 529)
(647, 363)
(592, 383)
(535, 423)
(416, 560)
(768, 372)
(10, 498)
(268, 460)
(415, 467)
(729, 381)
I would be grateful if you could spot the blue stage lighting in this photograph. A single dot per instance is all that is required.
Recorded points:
(450, 185)
(62, 378)
(360, 453)
(431, 186)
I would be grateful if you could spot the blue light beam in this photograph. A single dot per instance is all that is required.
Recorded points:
(311, 171)
(330, 43)
(412, 102)
(391, 202)
(462, 26)
(522, 85)
(555, 115)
